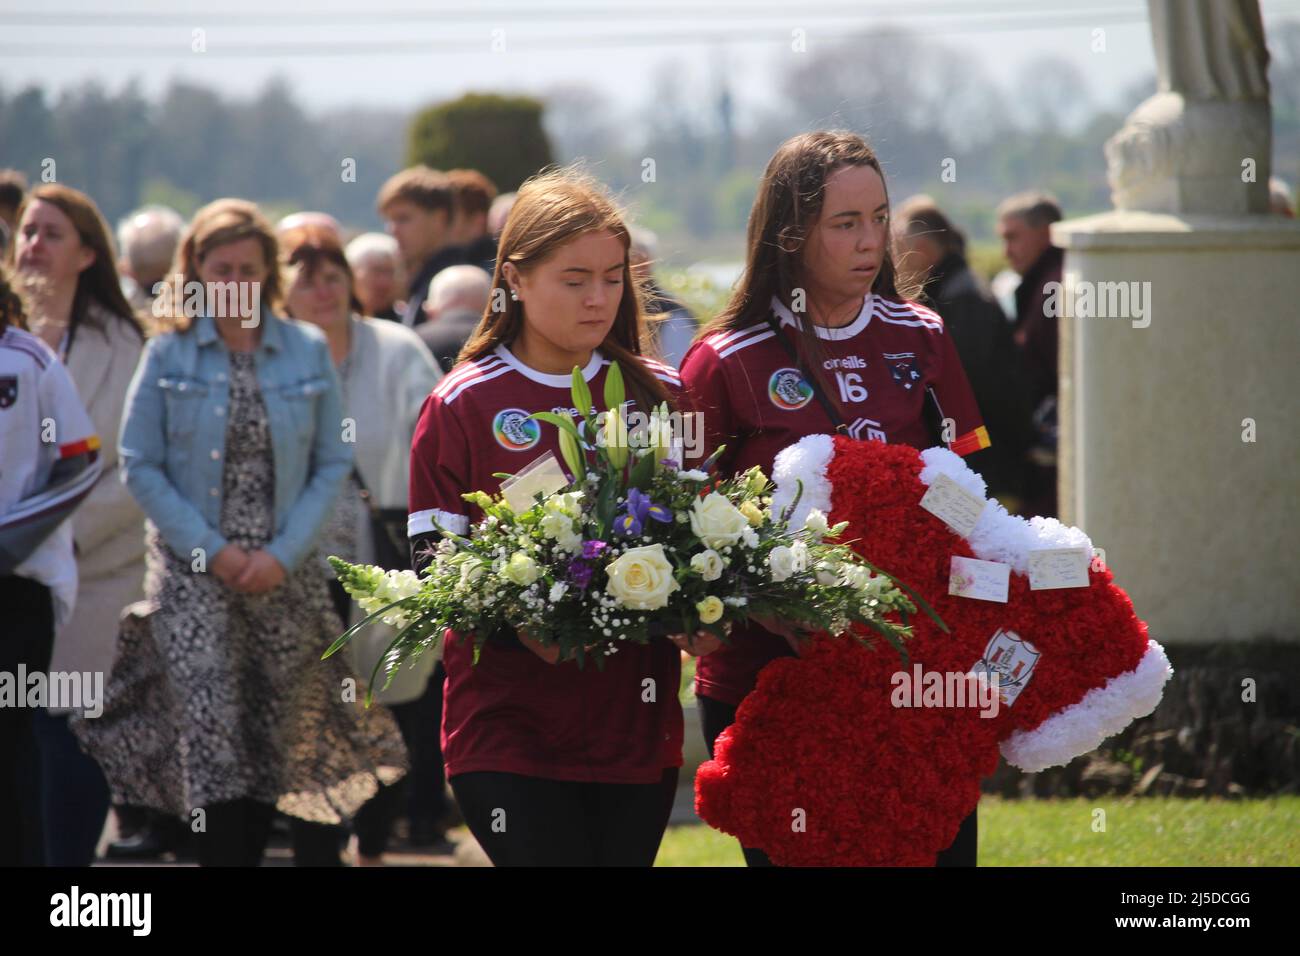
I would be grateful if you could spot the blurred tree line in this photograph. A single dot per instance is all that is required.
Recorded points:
(681, 163)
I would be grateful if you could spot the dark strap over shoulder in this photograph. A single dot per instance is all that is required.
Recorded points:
(827, 405)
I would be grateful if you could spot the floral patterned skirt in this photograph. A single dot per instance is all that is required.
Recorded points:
(217, 695)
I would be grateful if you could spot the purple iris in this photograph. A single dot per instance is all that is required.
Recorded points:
(638, 508)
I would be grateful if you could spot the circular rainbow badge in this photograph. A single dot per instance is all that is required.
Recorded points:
(514, 430)
(788, 390)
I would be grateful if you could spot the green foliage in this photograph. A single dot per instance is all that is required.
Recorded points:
(985, 259)
(501, 136)
(1146, 831)
(703, 296)
(161, 192)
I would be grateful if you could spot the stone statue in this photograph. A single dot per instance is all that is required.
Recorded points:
(1202, 143)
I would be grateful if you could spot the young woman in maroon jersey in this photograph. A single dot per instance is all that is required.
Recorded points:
(550, 764)
(818, 337)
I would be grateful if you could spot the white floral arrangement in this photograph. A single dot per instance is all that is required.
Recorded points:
(634, 549)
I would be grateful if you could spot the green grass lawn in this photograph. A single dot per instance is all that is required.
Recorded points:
(1145, 832)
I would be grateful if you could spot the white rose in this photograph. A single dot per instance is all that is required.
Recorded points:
(716, 521)
(641, 578)
(781, 561)
(521, 569)
(708, 564)
(710, 609)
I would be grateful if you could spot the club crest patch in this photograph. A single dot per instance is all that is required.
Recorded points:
(788, 390)
(514, 430)
(902, 368)
(1010, 657)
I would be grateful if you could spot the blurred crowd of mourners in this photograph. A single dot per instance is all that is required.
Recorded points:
(173, 476)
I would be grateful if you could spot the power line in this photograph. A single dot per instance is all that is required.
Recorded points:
(517, 41)
(747, 11)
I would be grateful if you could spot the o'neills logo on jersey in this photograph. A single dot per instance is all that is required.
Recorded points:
(514, 430)
(788, 390)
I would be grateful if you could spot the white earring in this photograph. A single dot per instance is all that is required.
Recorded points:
(514, 296)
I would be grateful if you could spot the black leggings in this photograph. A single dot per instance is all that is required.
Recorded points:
(715, 717)
(235, 833)
(28, 641)
(532, 821)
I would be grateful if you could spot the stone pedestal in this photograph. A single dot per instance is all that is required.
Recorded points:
(1201, 527)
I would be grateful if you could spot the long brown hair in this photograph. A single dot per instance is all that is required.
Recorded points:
(11, 304)
(98, 283)
(788, 204)
(220, 223)
(555, 207)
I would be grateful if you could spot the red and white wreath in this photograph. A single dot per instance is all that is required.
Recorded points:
(827, 765)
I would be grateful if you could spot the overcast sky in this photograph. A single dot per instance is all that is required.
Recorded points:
(404, 53)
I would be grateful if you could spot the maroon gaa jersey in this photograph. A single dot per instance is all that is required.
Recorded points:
(886, 365)
(513, 712)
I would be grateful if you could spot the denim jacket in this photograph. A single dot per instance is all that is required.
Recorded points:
(173, 439)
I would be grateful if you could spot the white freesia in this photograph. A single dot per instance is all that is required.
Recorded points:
(558, 590)
(708, 564)
(397, 585)
(749, 537)
(828, 574)
(559, 527)
(569, 503)
(854, 576)
(693, 474)
(641, 578)
(781, 562)
(816, 524)
(716, 521)
(799, 557)
(393, 586)
(471, 572)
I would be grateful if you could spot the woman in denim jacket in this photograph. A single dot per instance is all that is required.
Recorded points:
(219, 708)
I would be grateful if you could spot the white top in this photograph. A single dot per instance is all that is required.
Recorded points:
(42, 420)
